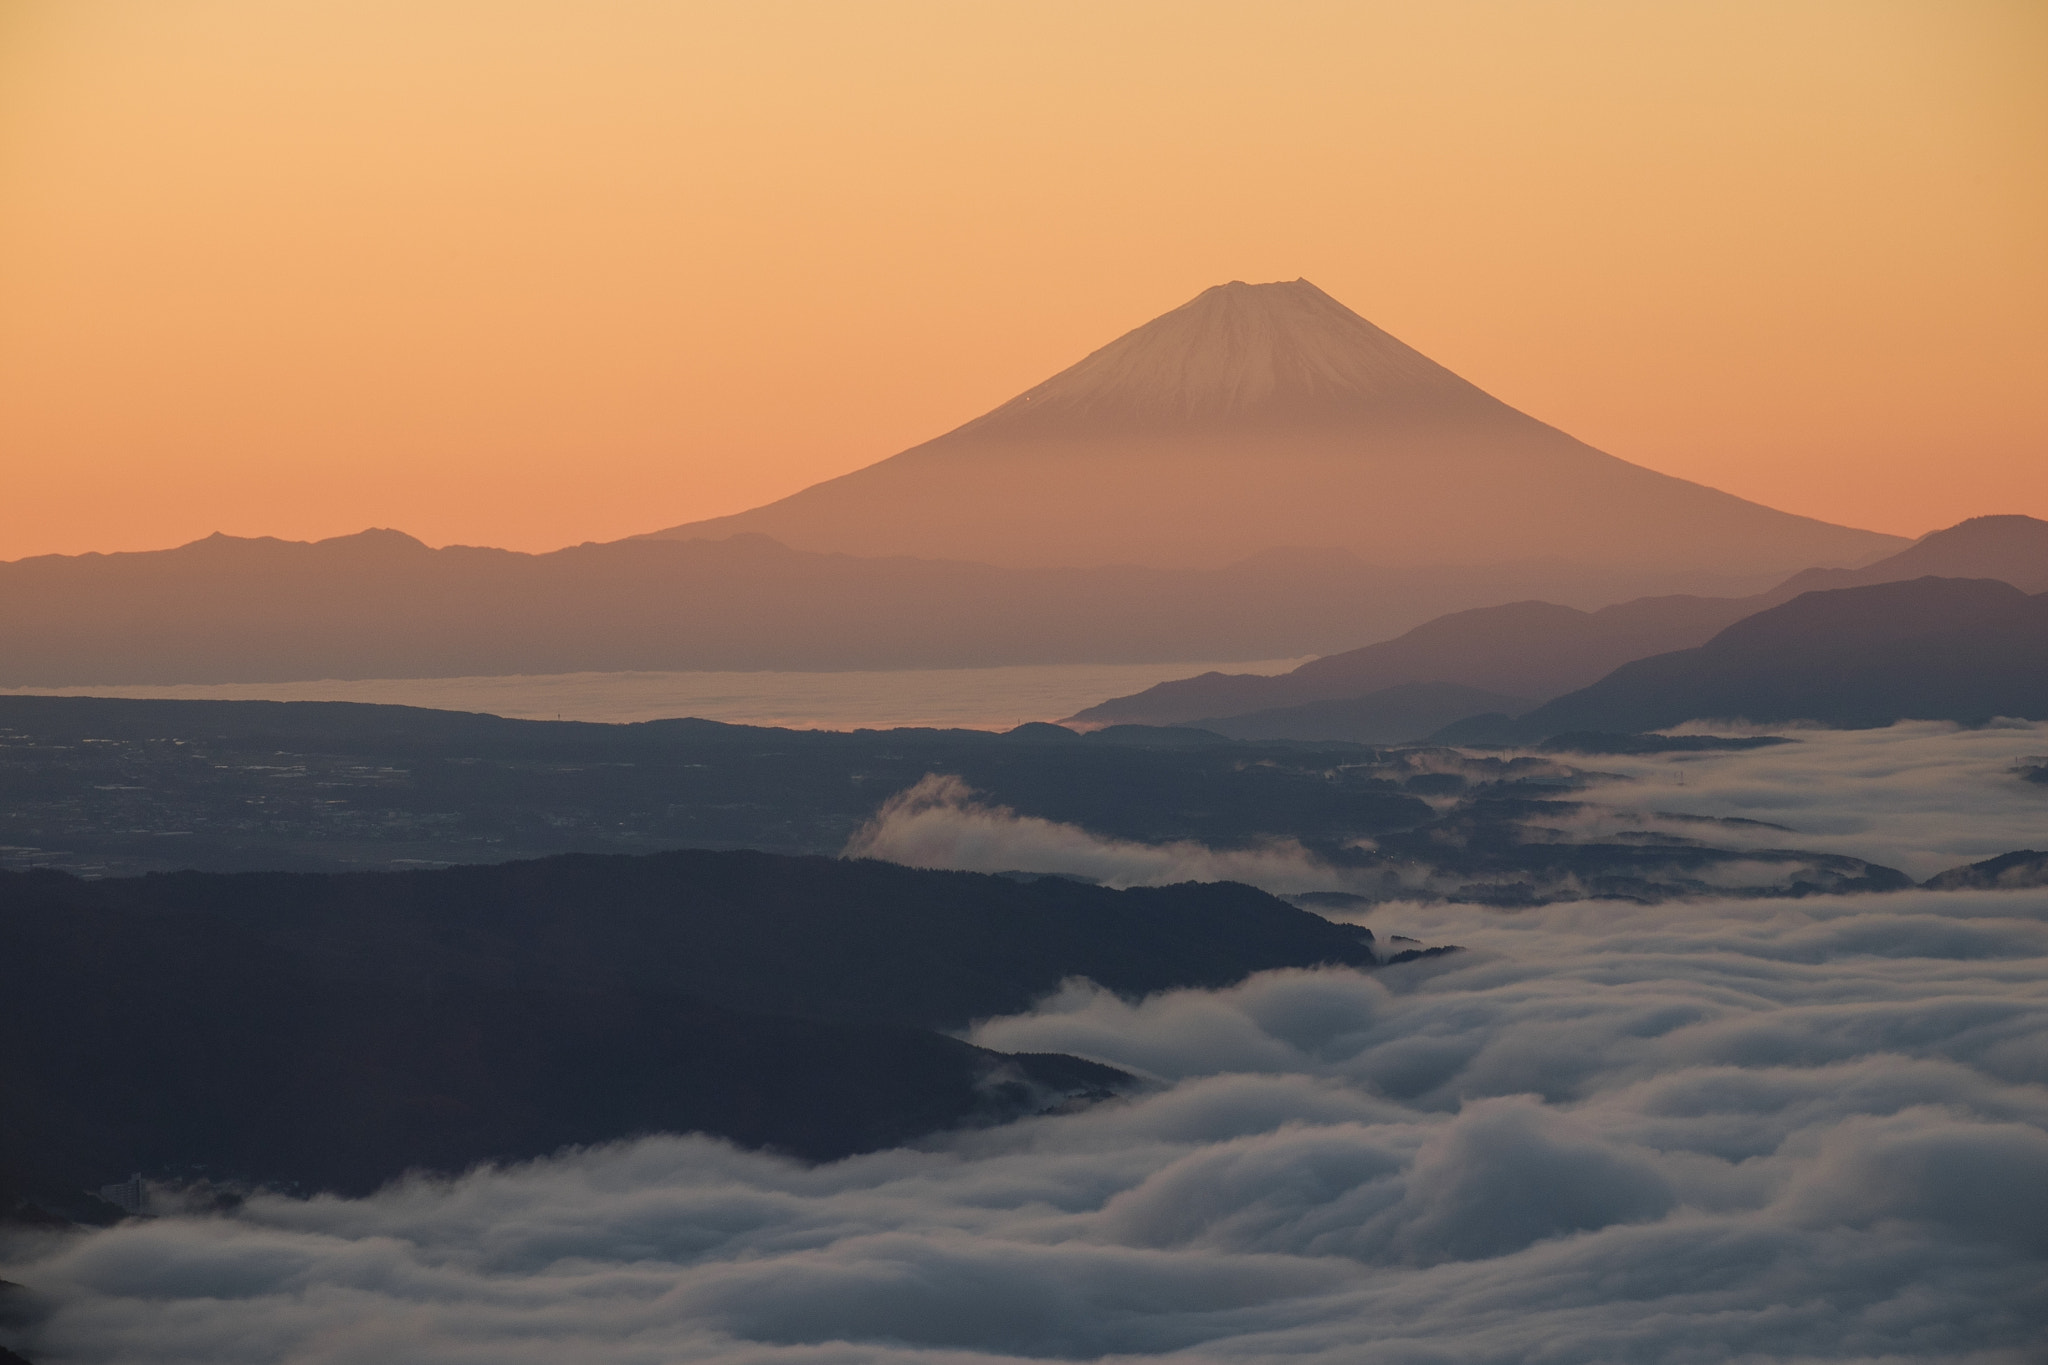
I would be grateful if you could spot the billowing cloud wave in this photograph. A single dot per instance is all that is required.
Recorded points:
(1720, 1130)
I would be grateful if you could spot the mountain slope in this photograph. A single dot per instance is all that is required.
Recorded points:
(2012, 549)
(1540, 649)
(1393, 715)
(1520, 649)
(1258, 416)
(1927, 649)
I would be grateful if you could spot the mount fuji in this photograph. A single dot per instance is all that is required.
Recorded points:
(1266, 416)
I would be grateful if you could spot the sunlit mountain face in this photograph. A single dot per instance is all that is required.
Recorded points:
(1259, 416)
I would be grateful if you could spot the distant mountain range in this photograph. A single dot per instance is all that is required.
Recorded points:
(1536, 650)
(1263, 416)
(381, 604)
(1962, 649)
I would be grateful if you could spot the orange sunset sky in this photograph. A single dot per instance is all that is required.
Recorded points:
(532, 272)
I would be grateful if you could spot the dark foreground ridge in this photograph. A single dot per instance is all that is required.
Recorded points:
(326, 1031)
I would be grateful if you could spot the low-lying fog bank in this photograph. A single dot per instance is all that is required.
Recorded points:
(1767, 1130)
(1918, 796)
(1921, 795)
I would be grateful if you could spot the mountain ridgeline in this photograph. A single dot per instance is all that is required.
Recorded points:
(1960, 649)
(380, 604)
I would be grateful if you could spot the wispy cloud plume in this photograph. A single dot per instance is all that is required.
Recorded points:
(940, 822)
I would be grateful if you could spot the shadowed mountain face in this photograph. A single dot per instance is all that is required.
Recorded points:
(1541, 649)
(1928, 649)
(338, 1030)
(1260, 416)
(1394, 715)
(1521, 649)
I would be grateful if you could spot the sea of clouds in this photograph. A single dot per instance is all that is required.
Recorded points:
(1811, 1130)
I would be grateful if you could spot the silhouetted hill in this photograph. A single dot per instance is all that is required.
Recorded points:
(1395, 715)
(1542, 650)
(2014, 871)
(1260, 416)
(1927, 649)
(381, 604)
(2012, 549)
(335, 1030)
(1532, 650)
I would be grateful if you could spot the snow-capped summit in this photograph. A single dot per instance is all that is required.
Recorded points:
(1284, 352)
(1258, 417)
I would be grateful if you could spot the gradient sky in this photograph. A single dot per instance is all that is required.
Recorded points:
(530, 272)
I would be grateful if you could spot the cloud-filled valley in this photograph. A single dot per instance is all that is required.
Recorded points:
(1756, 1129)
(1920, 796)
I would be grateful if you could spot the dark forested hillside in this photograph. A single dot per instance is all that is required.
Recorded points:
(332, 1031)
